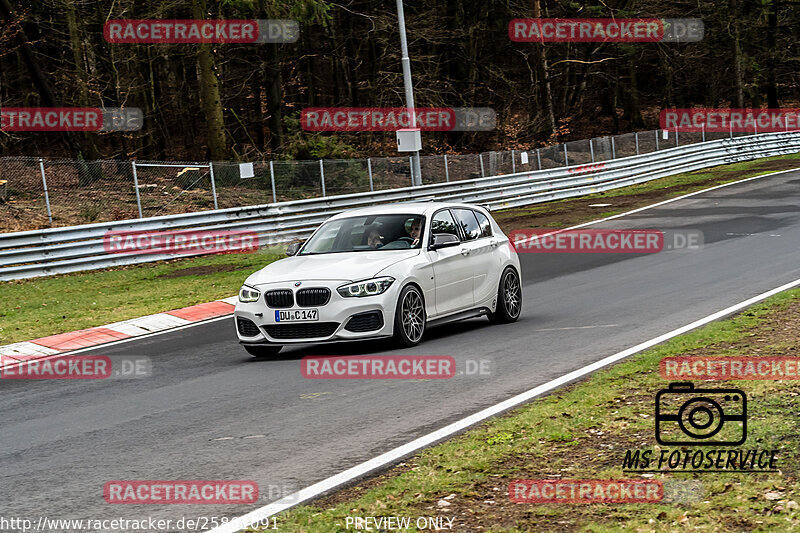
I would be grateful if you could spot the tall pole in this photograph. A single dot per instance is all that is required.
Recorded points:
(416, 171)
(213, 184)
(46, 195)
(136, 186)
(272, 181)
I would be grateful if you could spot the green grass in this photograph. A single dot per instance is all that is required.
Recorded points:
(49, 305)
(568, 433)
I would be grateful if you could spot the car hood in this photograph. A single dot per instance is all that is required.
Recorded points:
(348, 266)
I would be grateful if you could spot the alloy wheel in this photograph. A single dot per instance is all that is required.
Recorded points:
(511, 294)
(412, 315)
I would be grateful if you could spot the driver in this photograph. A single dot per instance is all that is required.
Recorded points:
(414, 232)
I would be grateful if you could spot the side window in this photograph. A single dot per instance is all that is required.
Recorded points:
(486, 226)
(443, 223)
(468, 222)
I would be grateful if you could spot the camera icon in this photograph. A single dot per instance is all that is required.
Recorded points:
(706, 416)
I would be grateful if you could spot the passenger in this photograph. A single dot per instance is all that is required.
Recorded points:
(374, 240)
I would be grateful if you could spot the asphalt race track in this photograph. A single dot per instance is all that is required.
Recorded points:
(211, 412)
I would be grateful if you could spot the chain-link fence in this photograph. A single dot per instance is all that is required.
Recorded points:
(36, 193)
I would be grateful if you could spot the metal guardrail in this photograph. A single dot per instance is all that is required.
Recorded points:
(61, 250)
(74, 192)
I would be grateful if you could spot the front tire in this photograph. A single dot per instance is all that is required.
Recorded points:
(409, 317)
(263, 351)
(509, 298)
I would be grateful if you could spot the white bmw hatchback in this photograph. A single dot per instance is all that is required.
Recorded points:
(383, 271)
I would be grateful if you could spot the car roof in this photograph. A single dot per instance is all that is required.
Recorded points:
(411, 208)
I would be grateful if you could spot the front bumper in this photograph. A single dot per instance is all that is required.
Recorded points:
(335, 317)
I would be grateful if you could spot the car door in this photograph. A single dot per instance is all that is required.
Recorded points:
(481, 259)
(452, 273)
(491, 261)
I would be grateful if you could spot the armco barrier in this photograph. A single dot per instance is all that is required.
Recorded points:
(29, 254)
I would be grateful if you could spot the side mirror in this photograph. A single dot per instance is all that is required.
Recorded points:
(293, 248)
(444, 240)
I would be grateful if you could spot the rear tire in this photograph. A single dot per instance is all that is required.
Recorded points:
(263, 351)
(509, 298)
(409, 317)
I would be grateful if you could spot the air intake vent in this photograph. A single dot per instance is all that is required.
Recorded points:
(246, 327)
(313, 330)
(313, 297)
(279, 299)
(369, 321)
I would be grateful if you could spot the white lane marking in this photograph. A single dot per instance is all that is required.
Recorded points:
(158, 322)
(398, 453)
(127, 327)
(751, 234)
(26, 348)
(658, 204)
(313, 395)
(578, 327)
(600, 205)
(230, 300)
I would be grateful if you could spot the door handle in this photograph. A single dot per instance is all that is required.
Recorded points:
(465, 252)
(493, 243)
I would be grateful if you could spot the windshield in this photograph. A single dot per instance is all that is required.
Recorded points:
(366, 234)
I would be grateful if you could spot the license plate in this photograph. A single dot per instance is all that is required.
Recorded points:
(299, 315)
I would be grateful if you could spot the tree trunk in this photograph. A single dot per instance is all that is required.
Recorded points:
(274, 84)
(209, 94)
(83, 88)
(40, 80)
(258, 110)
(738, 83)
(633, 110)
(547, 96)
(772, 28)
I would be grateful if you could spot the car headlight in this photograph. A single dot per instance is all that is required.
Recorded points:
(369, 287)
(248, 294)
